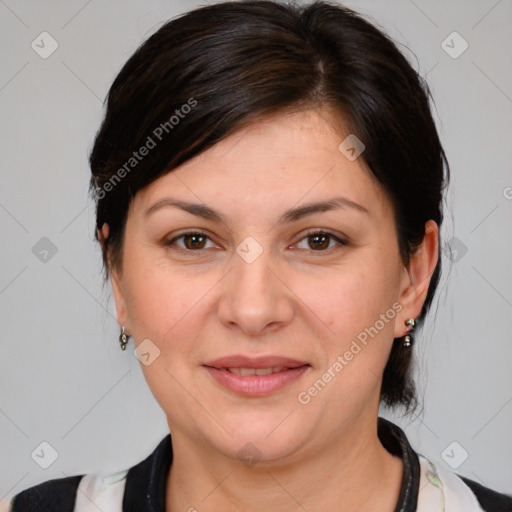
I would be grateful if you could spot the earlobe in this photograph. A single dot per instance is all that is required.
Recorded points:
(103, 235)
(105, 230)
(417, 276)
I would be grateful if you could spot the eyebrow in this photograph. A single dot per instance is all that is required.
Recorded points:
(294, 214)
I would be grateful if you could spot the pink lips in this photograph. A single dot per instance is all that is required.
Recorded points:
(274, 373)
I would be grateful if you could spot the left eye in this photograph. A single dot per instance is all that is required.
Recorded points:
(318, 241)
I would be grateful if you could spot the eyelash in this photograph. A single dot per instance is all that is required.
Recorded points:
(309, 234)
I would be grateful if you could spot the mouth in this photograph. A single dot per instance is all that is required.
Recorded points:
(255, 376)
(254, 363)
(254, 371)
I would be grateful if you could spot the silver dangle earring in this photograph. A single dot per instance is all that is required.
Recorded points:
(408, 339)
(123, 338)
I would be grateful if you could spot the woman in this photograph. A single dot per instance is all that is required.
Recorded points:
(269, 183)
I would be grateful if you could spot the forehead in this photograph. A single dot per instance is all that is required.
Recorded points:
(272, 163)
(296, 134)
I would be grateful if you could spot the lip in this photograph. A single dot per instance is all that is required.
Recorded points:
(255, 385)
(240, 361)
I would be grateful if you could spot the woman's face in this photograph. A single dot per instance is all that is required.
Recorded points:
(317, 293)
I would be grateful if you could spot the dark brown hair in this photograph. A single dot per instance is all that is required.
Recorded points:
(209, 72)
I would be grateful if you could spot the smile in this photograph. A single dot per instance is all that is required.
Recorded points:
(256, 383)
(254, 371)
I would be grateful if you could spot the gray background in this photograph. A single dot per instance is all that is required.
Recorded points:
(63, 378)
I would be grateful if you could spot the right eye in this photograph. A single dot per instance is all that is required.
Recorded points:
(193, 241)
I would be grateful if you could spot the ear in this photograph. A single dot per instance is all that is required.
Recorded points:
(116, 279)
(103, 235)
(416, 277)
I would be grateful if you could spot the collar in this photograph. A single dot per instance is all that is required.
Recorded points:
(146, 482)
(395, 441)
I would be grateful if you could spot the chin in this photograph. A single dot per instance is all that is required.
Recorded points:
(263, 438)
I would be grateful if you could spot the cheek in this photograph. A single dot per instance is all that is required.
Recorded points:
(163, 307)
(359, 312)
(358, 304)
(166, 304)
(154, 301)
(157, 304)
(351, 298)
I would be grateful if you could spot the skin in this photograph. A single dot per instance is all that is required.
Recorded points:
(295, 300)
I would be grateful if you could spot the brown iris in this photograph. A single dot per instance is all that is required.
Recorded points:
(321, 241)
(196, 241)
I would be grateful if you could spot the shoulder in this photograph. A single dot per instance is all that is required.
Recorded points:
(71, 494)
(92, 492)
(441, 489)
(489, 499)
(57, 494)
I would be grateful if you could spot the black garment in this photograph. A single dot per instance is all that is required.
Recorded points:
(145, 486)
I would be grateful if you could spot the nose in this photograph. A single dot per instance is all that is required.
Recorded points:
(255, 297)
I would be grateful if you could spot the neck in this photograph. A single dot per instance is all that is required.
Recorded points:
(350, 474)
